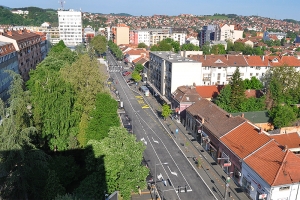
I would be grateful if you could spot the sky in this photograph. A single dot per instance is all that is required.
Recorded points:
(275, 9)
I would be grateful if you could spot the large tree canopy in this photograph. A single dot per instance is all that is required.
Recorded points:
(99, 44)
(122, 157)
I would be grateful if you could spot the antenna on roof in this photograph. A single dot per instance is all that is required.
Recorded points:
(61, 2)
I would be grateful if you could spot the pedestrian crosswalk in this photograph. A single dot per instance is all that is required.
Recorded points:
(114, 70)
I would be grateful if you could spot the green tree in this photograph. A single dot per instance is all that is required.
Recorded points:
(190, 47)
(166, 111)
(218, 49)
(283, 115)
(138, 67)
(59, 47)
(206, 48)
(53, 186)
(237, 91)
(230, 45)
(283, 86)
(142, 45)
(223, 99)
(253, 83)
(59, 164)
(99, 43)
(103, 117)
(122, 157)
(239, 46)
(22, 166)
(136, 76)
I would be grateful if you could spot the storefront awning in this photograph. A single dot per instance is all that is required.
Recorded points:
(156, 91)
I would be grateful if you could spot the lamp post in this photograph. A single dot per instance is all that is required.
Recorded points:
(228, 175)
(155, 170)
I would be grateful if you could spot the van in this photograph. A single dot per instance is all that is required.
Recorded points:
(145, 90)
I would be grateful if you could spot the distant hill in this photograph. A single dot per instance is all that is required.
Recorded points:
(5, 7)
(121, 14)
(292, 21)
(36, 17)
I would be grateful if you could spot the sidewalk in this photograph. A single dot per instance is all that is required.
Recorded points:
(211, 173)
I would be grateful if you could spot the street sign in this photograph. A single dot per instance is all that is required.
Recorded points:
(227, 164)
(199, 130)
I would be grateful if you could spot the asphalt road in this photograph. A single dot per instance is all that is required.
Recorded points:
(163, 156)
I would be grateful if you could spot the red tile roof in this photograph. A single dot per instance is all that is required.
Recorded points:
(208, 91)
(275, 165)
(257, 61)
(292, 140)
(245, 139)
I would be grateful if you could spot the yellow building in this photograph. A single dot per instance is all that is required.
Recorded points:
(120, 34)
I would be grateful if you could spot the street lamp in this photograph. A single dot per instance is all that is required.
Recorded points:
(155, 170)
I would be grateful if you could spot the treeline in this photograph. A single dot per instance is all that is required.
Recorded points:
(61, 137)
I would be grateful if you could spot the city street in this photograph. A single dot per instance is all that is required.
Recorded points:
(175, 177)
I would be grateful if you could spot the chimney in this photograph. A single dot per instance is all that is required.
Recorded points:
(263, 58)
(204, 57)
(242, 115)
(227, 56)
(9, 33)
(285, 148)
(260, 131)
(202, 121)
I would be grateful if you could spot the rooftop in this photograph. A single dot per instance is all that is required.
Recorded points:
(172, 57)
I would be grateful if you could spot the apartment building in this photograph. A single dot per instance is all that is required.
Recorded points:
(167, 71)
(152, 36)
(218, 69)
(273, 36)
(230, 32)
(28, 46)
(88, 34)
(120, 34)
(209, 33)
(8, 61)
(222, 32)
(70, 27)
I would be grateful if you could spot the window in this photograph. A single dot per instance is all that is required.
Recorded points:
(250, 74)
(284, 188)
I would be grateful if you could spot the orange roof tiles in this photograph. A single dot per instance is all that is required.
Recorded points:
(257, 61)
(208, 91)
(292, 140)
(245, 139)
(274, 165)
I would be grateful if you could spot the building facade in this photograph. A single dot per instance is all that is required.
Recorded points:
(28, 46)
(70, 27)
(8, 61)
(209, 33)
(120, 34)
(167, 71)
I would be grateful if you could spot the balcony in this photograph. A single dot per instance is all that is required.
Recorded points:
(206, 78)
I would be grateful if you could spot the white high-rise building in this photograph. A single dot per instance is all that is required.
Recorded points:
(70, 27)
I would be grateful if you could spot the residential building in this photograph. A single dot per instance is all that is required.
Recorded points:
(230, 32)
(140, 36)
(167, 71)
(134, 54)
(209, 33)
(120, 34)
(107, 33)
(8, 61)
(178, 35)
(207, 123)
(272, 171)
(273, 36)
(88, 34)
(224, 43)
(28, 46)
(239, 143)
(70, 27)
(193, 41)
(209, 92)
(182, 98)
(290, 140)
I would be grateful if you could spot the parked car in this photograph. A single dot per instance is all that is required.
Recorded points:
(126, 73)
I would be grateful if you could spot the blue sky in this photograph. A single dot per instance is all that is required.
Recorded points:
(276, 9)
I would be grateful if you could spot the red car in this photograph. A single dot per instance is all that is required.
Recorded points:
(126, 73)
